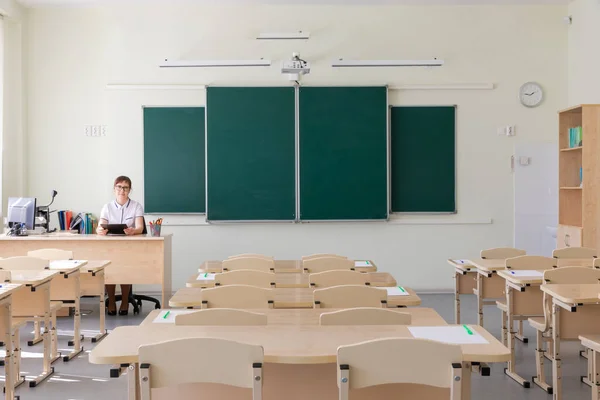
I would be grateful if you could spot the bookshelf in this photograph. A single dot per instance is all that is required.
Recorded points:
(579, 177)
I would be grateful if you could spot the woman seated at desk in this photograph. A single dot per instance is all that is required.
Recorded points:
(122, 210)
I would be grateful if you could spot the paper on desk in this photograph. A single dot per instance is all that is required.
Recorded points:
(527, 273)
(59, 264)
(8, 286)
(463, 262)
(362, 263)
(396, 291)
(448, 334)
(206, 277)
(170, 319)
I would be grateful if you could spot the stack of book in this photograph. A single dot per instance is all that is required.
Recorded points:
(84, 223)
(64, 219)
(575, 137)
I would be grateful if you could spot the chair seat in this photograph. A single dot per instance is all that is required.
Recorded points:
(537, 323)
(501, 304)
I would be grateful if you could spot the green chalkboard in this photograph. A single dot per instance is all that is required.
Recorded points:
(343, 153)
(251, 163)
(423, 159)
(174, 160)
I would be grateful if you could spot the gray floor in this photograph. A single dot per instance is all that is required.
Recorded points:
(80, 380)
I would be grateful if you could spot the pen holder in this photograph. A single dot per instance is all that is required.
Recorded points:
(155, 230)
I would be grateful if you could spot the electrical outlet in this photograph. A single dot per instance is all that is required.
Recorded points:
(95, 130)
(510, 130)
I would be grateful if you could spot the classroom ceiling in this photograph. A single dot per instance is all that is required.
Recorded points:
(36, 3)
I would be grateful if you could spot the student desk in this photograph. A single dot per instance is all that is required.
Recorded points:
(523, 299)
(289, 266)
(137, 260)
(592, 342)
(489, 286)
(310, 316)
(286, 280)
(464, 282)
(575, 311)
(286, 298)
(6, 292)
(300, 362)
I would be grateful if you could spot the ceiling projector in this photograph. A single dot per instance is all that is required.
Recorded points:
(295, 68)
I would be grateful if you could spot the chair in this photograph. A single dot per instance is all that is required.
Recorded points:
(400, 361)
(322, 264)
(542, 325)
(501, 252)
(246, 277)
(51, 254)
(349, 296)
(255, 263)
(252, 255)
(365, 316)
(336, 278)
(521, 263)
(313, 256)
(237, 296)
(573, 256)
(221, 317)
(200, 360)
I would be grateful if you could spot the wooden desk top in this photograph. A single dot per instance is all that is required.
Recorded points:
(74, 236)
(67, 267)
(310, 316)
(289, 266)
(488, 266)
(6, 289)
(285, 298)
(95, 266)
(32, 277)
(590, 341)
(309, 344)
(286, 280)
(521, 279)
(465, 266)
(573, 294)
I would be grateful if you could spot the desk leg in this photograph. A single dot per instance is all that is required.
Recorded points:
(37, 336)
(589, 378)
(479, 299)
(510, 370)
(466, 381)
(48, 369)
(102, 330)
(9, 380)
(77, 347)
(456, 297)
(556, 372)
(133, 391)
(18, 379)
(594, 355)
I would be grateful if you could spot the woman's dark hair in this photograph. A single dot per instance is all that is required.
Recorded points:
(123, 178)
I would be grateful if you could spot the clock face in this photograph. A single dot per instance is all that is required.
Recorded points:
(531, 94)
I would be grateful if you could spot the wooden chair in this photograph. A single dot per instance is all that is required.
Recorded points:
(573, 256)
(501, 253)
(322, 264)
(237, 296)
(255, 263)
(251, 255)
(246, 277)
(377, 362)
(365, 316)
(336, 278)
(51, 254)
(349, 296)
(200, 360)
(221, 317)
(521, 263)
(313, 256)
(542, 325)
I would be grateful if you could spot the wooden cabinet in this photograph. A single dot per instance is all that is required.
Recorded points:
(579, 177)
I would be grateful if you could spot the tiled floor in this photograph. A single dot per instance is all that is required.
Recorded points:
(80, 380)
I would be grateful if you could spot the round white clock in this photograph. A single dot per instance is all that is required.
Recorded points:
(531, 94)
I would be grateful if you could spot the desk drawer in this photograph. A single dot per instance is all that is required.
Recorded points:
(569, 236)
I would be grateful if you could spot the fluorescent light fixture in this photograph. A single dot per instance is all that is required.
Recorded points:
(387, 63)
(284, 36)
(216, 63)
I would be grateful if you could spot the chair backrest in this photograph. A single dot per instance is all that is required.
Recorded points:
(237, 296)
(322, 264)
(313, 256)
(200, 360)
(246, 277)
(572, 275)
(349, 296)
(336, 278)
(399, 360)
(365, 316)
(530, 262)
(23, 262)
(221, 317)
(255, 263)
(251, 255)
(501, 253)
(575, 252)
(51, 254)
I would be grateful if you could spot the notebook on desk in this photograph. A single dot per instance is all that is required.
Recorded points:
(115, 229)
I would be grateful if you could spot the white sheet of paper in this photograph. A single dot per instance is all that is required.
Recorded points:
(59, 264)
(206, 277)
(396, 291)
(447, 334)
(171, 317)
(527, 273)
(463, 262)
(362, 263)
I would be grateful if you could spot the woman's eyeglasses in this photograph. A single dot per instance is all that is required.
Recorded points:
(120, 188)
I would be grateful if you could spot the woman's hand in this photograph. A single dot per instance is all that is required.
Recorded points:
(101, 231)
(129, 231)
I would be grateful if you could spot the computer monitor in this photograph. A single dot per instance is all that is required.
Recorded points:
(21, 210)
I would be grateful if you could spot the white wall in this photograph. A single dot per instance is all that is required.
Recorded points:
(584, 58)
(74, 53)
